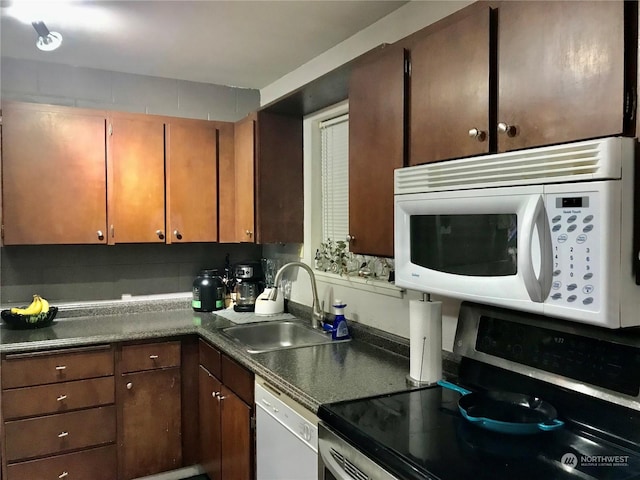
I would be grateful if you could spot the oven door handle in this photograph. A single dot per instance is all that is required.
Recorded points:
(330, 463)
(535, 217)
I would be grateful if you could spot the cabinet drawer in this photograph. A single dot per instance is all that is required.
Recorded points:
(210, 358)
(149, 356)
(238, 379)
(36, 437)
(95, 464)
(23, 370)
(57, 397)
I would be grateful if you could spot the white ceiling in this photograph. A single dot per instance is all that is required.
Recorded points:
(237, 43)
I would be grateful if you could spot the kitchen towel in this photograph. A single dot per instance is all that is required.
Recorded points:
(425, 341)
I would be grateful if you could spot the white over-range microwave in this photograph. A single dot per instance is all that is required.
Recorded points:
(546, 230)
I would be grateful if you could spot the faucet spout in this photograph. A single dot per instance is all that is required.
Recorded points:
(317, 316)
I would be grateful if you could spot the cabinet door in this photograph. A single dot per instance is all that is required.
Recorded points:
(149, 422)
(376, 148)
(244, 179)
(192, 182)
(237, 439)
(279, 201)
(450, 93)
(136, 180)
(210, 433)
(560, 71)
(53, 175)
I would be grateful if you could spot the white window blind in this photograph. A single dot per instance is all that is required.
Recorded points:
(335, 178)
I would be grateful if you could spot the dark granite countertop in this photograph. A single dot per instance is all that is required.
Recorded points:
(310, 375)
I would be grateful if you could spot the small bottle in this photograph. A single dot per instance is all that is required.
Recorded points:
(340, 331)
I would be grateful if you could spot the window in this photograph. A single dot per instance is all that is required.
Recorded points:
(335, 177)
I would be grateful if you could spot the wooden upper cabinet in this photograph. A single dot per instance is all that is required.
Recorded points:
(192, 181)
(136, 178)
(450, 95)
(561, 71)
(376, 147)
(279, 185)
(53, 175)
(268, 179)
(245, 140)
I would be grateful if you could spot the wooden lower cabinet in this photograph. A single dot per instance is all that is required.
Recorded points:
(227, 446)
(210, 432)
(59, 414)
(150, 415)
(95, 464)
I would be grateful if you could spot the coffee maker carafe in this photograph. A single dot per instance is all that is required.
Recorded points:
(249, 278)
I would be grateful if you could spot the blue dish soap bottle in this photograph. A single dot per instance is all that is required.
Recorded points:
(340, 331)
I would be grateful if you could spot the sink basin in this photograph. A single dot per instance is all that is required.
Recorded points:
(276, 335)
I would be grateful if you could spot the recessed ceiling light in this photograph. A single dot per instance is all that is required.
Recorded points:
(47, 41)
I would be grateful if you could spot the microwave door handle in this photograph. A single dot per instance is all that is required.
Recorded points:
(537, 286)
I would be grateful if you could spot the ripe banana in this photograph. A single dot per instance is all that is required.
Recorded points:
(33, 309)
(45, 305)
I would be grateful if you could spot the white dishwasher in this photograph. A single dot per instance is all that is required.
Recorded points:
(286, 436)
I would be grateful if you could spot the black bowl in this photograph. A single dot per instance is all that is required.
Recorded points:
(22, 322)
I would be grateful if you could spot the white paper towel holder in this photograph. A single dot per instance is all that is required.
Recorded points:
(435, 341)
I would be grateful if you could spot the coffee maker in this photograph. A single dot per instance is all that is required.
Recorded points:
(249, 280)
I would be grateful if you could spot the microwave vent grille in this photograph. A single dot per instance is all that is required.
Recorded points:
(590, 160)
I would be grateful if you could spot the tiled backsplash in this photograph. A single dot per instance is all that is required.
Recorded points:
(67, 273)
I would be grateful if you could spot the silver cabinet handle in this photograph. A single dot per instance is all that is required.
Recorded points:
(61, 398)
(63, 434)
(100, 235)
(129, 386)
(221, 397)
(153, 357)
(63, 475)
(350, 238)
(61, 367)
(477, 134)
(177, 234)
(249, 233)
(160, 234)
(510, 130)
(215, 394)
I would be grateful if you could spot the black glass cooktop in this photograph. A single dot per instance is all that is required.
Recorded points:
(420, 434)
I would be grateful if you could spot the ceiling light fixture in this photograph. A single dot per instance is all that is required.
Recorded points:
(47, 41)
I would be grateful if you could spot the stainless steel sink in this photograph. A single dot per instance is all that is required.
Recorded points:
(276, 335)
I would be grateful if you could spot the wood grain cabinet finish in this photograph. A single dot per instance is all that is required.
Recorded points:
(450, 91)
(191, 181)
(59, 433)
(58, 413)
(268, 179)
(561, 71)
(376, 147)
(136, 179)
(511, 75)
(53, 175)
(149, 410)
(227, 437)
(95, 464)
(22, 370)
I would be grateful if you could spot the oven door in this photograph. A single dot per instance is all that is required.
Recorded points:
(487, 245)
(339, 460)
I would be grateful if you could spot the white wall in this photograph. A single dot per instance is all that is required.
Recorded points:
(379, 310)
(406, 20)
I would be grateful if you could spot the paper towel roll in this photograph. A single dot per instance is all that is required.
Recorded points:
(425, 341)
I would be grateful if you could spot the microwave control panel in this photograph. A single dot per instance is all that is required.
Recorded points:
(574, 225)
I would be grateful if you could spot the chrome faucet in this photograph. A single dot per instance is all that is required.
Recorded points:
(317, 317)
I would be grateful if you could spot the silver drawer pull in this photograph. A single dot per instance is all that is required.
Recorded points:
(61, 398)
(61, 367)
(266, 403)
(63, 434)
(153, 357)
(63, 474)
